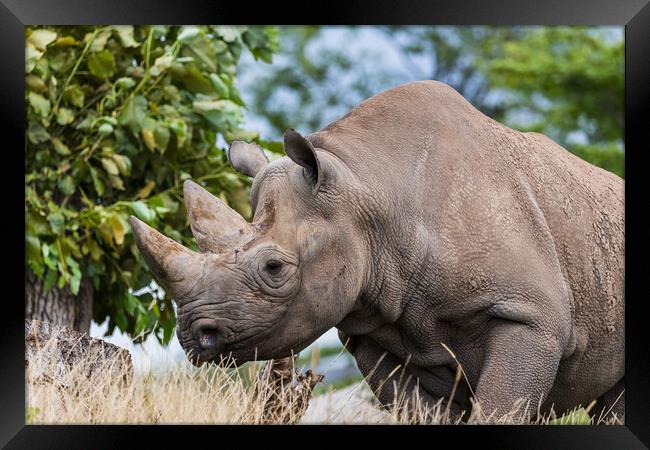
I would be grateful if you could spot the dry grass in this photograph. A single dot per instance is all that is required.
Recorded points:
(215, 394)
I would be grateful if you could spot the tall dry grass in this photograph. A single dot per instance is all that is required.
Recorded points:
(216, 394)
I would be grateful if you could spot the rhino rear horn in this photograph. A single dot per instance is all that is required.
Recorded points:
(216, 227)
(247, 159)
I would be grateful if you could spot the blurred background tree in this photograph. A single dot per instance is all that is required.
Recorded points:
(117, 118)
(566, 82)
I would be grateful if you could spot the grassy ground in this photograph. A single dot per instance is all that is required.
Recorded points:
(214, 394)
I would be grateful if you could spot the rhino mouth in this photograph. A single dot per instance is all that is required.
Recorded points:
(209, 340)
(213, 341)
(235, 351)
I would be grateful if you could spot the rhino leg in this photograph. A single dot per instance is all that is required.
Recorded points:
(520, 363)
(396, 386)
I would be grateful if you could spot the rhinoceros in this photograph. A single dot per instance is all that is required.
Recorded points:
(429, 235)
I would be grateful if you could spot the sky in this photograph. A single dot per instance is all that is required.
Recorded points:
(371, 49)
(374, 52)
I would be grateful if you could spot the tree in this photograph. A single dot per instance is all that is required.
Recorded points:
(322, 72)
(117, 118)
(566, 82)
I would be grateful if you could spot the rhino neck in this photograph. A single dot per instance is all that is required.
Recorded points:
(400, 260)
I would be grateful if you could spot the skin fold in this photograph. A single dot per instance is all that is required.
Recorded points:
(412, 222)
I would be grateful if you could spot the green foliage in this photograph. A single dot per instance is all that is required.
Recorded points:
(566, 82)
(31, 413)
(117, 118)
(579, 416)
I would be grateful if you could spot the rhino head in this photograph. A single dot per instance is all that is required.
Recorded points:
(269, 288)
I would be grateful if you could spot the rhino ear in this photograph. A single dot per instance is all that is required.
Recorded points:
(303, 153)
(246, 158)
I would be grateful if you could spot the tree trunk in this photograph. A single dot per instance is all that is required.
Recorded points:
(59, 306)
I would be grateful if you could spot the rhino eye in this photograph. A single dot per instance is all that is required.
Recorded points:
(275, 272)
(273, 266)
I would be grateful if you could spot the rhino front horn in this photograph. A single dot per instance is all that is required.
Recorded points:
(174, 266)
(216, 227)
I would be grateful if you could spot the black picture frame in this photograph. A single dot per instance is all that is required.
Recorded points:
(634, 15)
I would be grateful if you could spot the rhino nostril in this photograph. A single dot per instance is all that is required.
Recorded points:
(208, 338)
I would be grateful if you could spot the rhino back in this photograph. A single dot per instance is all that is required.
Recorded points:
(471, 195)
(425, 150)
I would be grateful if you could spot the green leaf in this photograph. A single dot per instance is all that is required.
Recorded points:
(179, 128)
(125, 33)
(39, 104)
(42, 38)
(57, 222)
(120, 320)
(219, 86)
(105, 129)
(97, 182)
(220, 114)
(146, 190)
(74, 95)
(66, 185)
(125, 82)
(188, 33)
(36, 133)
(33, 253)
(131, 304)
(202, 48)
(133, 114)
(110, 167)
(142, 211)
(60, 147)
(123, 164)
(191, 77)
(107, 119)
(116, 182)
(257, 41)
(102, 64)
(95, 250)
(168, 331)
(64, 116)
(50, 258)
(118, 228)
(50, 278)
(161, 64)
(66, 41)
(35, 83)
(149, 140)
(229, 33)
(73, 247)
(161, 136)
(234, 96)
(75, 280)
(32, 56)
(141, 323)
(100, 40)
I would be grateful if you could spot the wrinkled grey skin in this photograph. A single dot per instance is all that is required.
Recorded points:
(414, 220)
